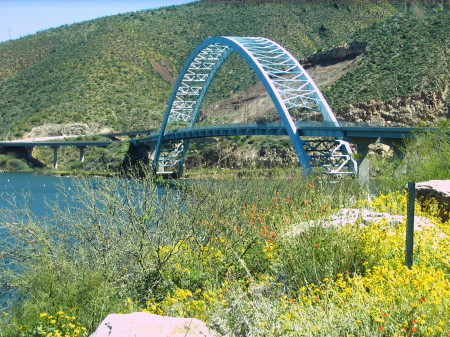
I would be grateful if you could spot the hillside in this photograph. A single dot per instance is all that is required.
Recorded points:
(118, 71)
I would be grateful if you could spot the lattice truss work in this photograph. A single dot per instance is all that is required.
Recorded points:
(290, 80)
(333, 156)
(187, 99)
(171, 155)
(189, 96)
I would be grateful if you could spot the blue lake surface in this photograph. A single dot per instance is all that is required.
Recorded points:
(34, 190)
(39, 192)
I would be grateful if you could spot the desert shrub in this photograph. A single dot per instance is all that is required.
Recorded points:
(427, 154)
(15, 164)
(423, 157)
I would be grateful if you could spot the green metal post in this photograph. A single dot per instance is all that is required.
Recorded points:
(410, 224)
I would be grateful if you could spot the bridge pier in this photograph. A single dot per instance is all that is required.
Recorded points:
(143, 153)
(362, 157)
(363, 163)
(55, 156)
(139, 154)
(29, 152)
(82, 150)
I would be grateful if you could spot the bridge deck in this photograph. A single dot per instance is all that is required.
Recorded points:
(348, 132)
(103, 143)
(311, 129)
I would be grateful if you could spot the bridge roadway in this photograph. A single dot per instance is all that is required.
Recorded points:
(361, 134)
(352, 132)
(28, 145)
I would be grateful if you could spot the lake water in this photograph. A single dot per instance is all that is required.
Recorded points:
(34, 190)
(38, 191)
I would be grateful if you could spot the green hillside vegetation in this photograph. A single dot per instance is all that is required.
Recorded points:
(405, 54)
(118, 71)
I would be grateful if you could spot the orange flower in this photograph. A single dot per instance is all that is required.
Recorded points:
(316, 244)
(274, 198)
(384, 315)
(274, 235)
(381, 328)
(413, 329)
(422, 299)
(292, 300)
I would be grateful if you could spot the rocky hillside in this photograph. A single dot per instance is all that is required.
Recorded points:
(372, 59)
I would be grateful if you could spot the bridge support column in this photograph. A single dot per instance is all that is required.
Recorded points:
(29, 152)
(363, 163)
(82, 150)
(362, 157)
(55, 156)
(138, 154)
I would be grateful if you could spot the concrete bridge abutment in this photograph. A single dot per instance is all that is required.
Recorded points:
(362, 159)
(22, 152)
(142, 154)
(29, 152)
(139, 154)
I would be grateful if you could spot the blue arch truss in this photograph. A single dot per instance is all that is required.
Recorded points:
(285, 80)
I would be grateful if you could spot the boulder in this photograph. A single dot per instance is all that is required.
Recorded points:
(438, 189)
(362, 217)
(142, 324)
(381, 150)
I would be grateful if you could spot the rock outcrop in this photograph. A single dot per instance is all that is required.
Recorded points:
(67, 129)
(400, 111)
(363, 217)
(243, 157)
(343, 52)
(142, 324)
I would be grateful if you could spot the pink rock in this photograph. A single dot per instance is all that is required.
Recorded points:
(142, 324)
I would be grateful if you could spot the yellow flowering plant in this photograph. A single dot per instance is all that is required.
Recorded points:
(60, 324)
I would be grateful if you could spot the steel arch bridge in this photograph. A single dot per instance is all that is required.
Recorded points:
(287, 83)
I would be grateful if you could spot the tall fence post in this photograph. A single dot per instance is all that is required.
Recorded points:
(410, 224)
